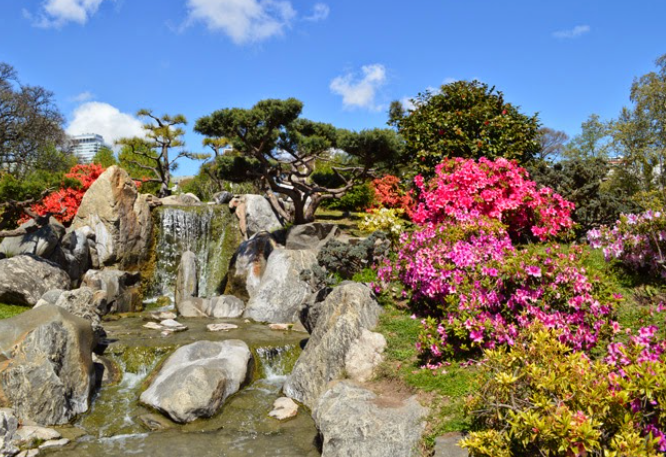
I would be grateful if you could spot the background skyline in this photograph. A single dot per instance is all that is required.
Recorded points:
(106, 59)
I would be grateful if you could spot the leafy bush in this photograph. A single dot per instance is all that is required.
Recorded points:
(463, 190)
(358, 198)
(347, 259)
(542, 398)
(475, 290)
(64, 203)
(389, 193)
(638, 241)
(385, 220)
(583, 182)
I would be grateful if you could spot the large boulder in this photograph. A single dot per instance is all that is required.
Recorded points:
(25, 278)
(121, 287)
(223, 306)
(197, 378)
(255, 214)
(281, 292)
(84, 303)
(75, 252)
(354, 422)
(41, 242)
(119, 217)
(186, 280)
(8, 426)
(46, 367)
(341, 318)
(248, 264)
(188, 199)
(364, 356)
(311, 236)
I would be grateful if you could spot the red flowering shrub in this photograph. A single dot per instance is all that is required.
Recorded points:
(64, 203)
(389, 194)
(464, 190)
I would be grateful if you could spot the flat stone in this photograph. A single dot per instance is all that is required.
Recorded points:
(280, 326)
(221, 327)
(173, 325)
(163, 315)
(28, 453)
(447, 446)
(284, 408)
(152, 326)
(54, 443)
(29, 433)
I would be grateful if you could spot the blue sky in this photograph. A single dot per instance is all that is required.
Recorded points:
(346, 60)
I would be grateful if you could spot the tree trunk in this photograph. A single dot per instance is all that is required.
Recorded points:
(309, 214)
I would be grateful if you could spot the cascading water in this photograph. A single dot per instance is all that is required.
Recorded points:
(210, 232)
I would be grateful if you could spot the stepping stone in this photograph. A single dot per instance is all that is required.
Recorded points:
(222, 327)
(280, 326)
(284, 408)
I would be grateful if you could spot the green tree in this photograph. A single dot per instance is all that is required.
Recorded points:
(287, 150)
(593, 141)
(151, 153)
(464, 119)
(552, 144)
(105, 157)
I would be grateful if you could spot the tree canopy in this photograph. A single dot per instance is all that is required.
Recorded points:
(286, 150)
(464, 119)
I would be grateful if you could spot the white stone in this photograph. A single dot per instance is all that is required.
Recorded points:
(54, 443)
(364, 355)
(222, 327)
(284, 408)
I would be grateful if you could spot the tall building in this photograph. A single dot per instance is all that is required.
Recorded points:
(87, 145)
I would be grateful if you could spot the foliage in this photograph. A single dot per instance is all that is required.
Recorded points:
(289, 149)
(7, 311)
(464, 119)
(201, 185)
(638, 241)
(358, 198)
(65, 202)
(552, 144)
(464, 189)
(542, 398)
(30, 123)
(593, 141)
(385, 220)
(105, 158)
(582, 182)
(389, 193)
(347, 259)
(151, 154)
(475, 290)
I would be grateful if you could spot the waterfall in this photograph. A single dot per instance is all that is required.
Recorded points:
(274, 363)
(211, 232)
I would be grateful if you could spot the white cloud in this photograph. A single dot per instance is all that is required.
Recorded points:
(244, 21)
(408, 103)
(360, 93)
(572, 33)
(319, 12)
(105, 120)
(83, 97)
(56, 13)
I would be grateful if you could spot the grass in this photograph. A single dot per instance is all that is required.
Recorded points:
(7, 311)
(444, 390)
(348, 222)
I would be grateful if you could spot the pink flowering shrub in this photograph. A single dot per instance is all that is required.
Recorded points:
(464, 189)
(637, 240)
(475, 290)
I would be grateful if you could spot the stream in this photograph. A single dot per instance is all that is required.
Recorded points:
(117, 425)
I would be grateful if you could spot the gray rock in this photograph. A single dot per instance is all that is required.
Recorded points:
(8, 426)
(76, 252)
(121, 287)
(120, 219)
(28, 435)
(48, 375)
(255, 214)
(364, 355)
(281, 293)
(41, 243)
(222, 198)
(188, 199)
(197, 378)
(50, 297)
(84, 303)
(348, 309)
(248, 264)
(25, 278)
(447, 446)
(311, 236)
(54, 443)
(223, 306)
(355, 422)
(187, 279)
